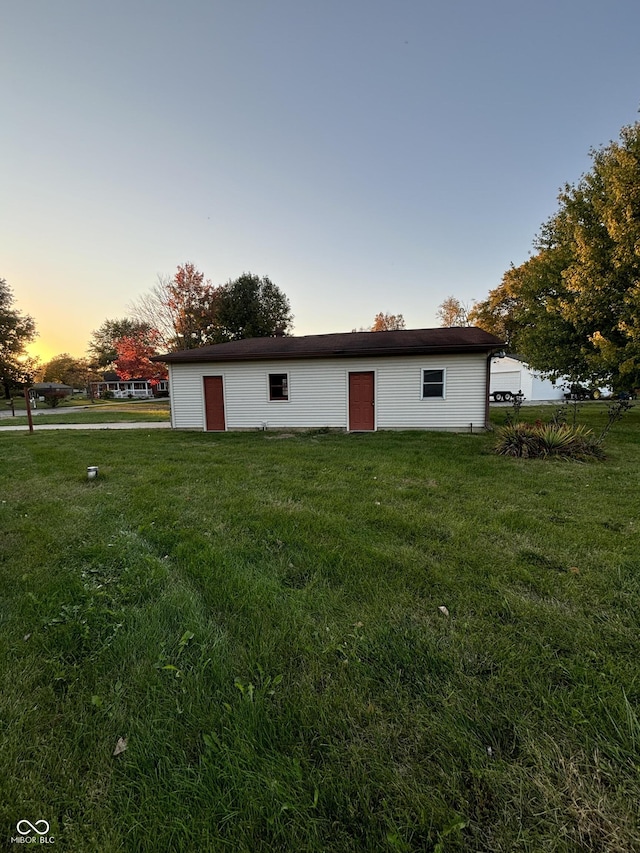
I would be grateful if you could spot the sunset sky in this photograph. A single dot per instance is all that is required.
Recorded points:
(365, 155)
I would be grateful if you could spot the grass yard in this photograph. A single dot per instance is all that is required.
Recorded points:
(97, 413)
(259, 618)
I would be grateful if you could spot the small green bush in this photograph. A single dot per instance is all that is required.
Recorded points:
(54, 398)
(540, 441)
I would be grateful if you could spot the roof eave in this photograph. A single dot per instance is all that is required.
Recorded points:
(180, 358)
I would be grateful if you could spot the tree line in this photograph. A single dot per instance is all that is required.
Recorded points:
(183, 311)
(179, 312)
(572, 309)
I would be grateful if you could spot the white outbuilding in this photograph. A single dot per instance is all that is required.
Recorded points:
(430, 379)
(511, 375)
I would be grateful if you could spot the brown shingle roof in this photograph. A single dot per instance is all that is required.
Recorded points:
(344, 345)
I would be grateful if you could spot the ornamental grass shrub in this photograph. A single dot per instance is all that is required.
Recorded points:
(541, 441)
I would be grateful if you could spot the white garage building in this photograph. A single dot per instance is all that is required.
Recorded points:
(431, 379)
(510, 374)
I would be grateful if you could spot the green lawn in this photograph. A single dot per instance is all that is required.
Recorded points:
(258, 615)
(95, 413)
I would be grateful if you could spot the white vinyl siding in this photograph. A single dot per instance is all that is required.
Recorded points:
(401, 405)
(187, 400)
(318, 393)
(314, 400)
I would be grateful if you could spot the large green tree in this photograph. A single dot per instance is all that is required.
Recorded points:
(574, 307)
(251, 307)
(75, 372)
(16, 331)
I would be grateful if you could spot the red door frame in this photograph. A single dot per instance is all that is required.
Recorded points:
(214, 404)
(362, 417)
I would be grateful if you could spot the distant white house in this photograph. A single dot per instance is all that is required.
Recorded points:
(430, 379)
(510, 375)
(121, 389)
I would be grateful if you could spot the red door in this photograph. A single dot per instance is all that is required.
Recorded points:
(361, 408)
(214, 402)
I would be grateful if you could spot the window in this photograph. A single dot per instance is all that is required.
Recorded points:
(433, 384)
(278, 386)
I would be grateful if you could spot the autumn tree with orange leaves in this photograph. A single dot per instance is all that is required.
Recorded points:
(183, 309)
(388, 323)
(134, 354)
(193, 303)
(453, 312)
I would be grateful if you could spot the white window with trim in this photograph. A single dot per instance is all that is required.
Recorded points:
(433, 383)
